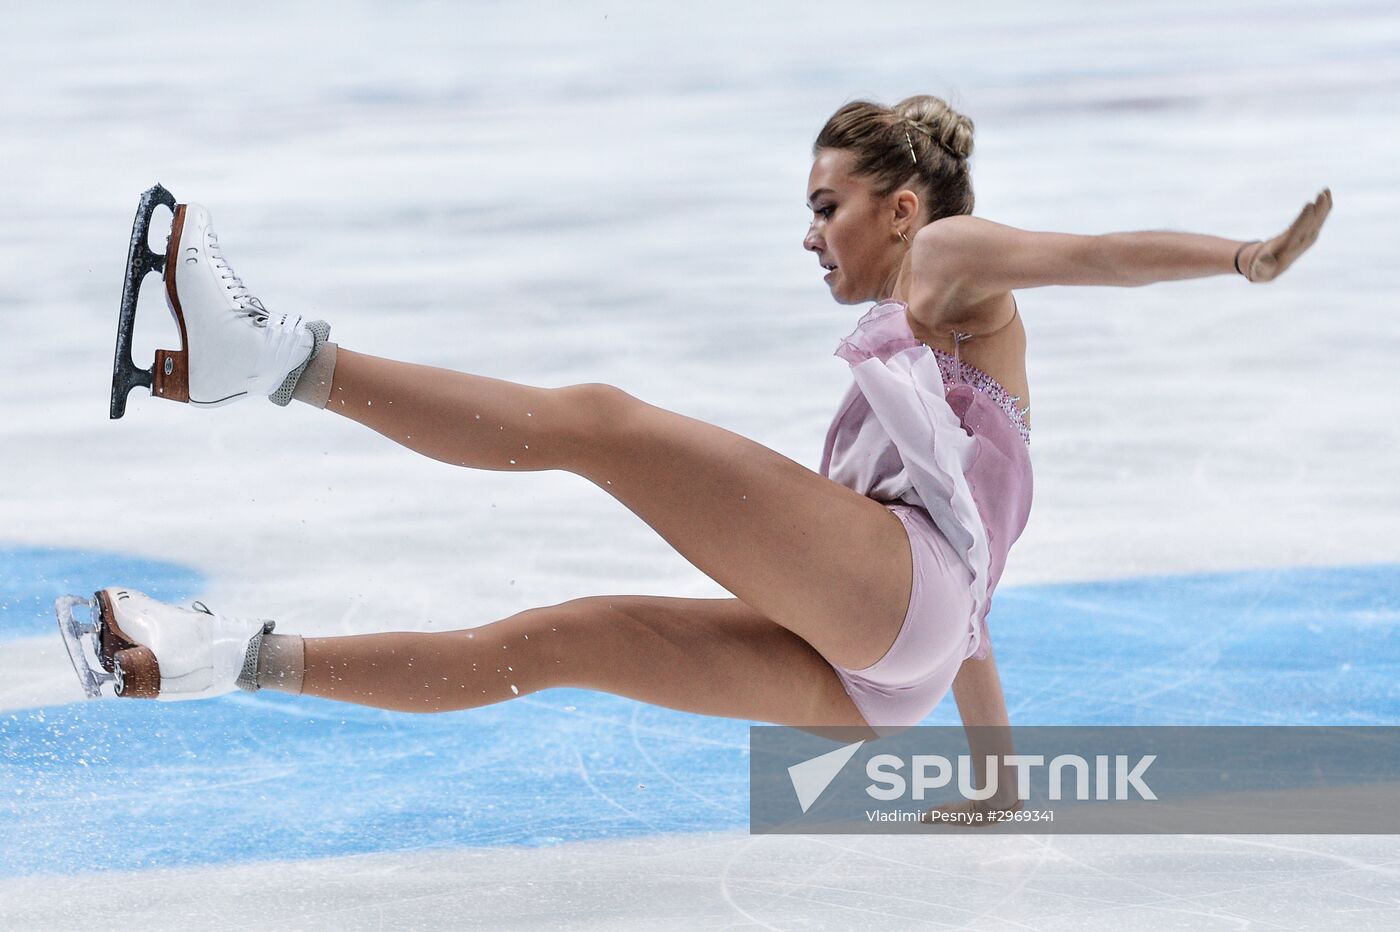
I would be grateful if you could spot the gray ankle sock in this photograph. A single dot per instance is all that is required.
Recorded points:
(314, 384)
(320, 333)
(282, 663)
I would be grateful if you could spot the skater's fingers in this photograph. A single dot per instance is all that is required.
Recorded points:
(1309, 217)
(1313, 214)
(1303, 230)
(1273, 257)
(1296, 240)
(1303, 219)
(1307, 231)
(1324, 202)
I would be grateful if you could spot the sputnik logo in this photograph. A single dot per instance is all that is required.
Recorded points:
(811, 777)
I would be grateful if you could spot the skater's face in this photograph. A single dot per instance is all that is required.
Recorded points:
(855, 230)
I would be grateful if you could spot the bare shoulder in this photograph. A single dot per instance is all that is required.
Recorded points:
(958, 233)
(943, 292)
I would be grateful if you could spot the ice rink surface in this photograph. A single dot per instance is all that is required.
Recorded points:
(561, 193)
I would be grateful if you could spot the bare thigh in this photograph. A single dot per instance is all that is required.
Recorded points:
(820, 559)
(709, 656)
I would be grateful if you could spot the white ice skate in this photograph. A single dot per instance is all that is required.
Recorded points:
(231, 345)
(133, 646)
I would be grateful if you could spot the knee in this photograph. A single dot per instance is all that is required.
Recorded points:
(589, 611)
(597, 401)
(578, 641)
(596, 413)
(597, 625)
(586, 616)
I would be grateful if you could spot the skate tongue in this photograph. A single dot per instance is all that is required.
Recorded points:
(241, 296)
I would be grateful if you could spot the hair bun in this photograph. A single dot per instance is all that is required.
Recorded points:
(946, 126)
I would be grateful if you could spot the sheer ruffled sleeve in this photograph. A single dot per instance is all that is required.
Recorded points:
(900, 379)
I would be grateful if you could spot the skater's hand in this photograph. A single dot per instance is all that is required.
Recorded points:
(1266, 261)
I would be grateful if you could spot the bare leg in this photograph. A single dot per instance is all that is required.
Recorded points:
(709, 656)
(817, 558)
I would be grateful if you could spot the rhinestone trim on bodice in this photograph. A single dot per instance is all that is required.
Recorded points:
(954, 370)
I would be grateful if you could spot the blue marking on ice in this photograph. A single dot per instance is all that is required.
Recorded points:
(31, 578)
(94, 786)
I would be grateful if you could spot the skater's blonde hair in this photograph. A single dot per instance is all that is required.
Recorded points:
(920, 140)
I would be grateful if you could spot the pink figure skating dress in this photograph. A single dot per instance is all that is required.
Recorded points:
(943, 445)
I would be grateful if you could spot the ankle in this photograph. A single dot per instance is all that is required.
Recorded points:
(281, 663)
(310, 381)
(313, 385)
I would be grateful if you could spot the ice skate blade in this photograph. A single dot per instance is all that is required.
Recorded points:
(80, 638)
(168, 376)
(107, 662)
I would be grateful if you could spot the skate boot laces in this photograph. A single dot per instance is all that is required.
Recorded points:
(246, 301)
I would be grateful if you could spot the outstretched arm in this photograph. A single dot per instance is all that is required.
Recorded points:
(960, 261)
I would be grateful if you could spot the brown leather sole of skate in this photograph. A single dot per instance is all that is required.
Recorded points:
(172, 369)
(140, 673)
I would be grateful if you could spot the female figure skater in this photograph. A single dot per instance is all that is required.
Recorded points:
(860, 591)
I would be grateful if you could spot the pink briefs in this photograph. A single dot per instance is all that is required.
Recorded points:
(902, 687)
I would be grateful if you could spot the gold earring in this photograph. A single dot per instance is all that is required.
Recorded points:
(903, 237)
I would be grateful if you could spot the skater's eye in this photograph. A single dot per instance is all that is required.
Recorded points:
(824, 211)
